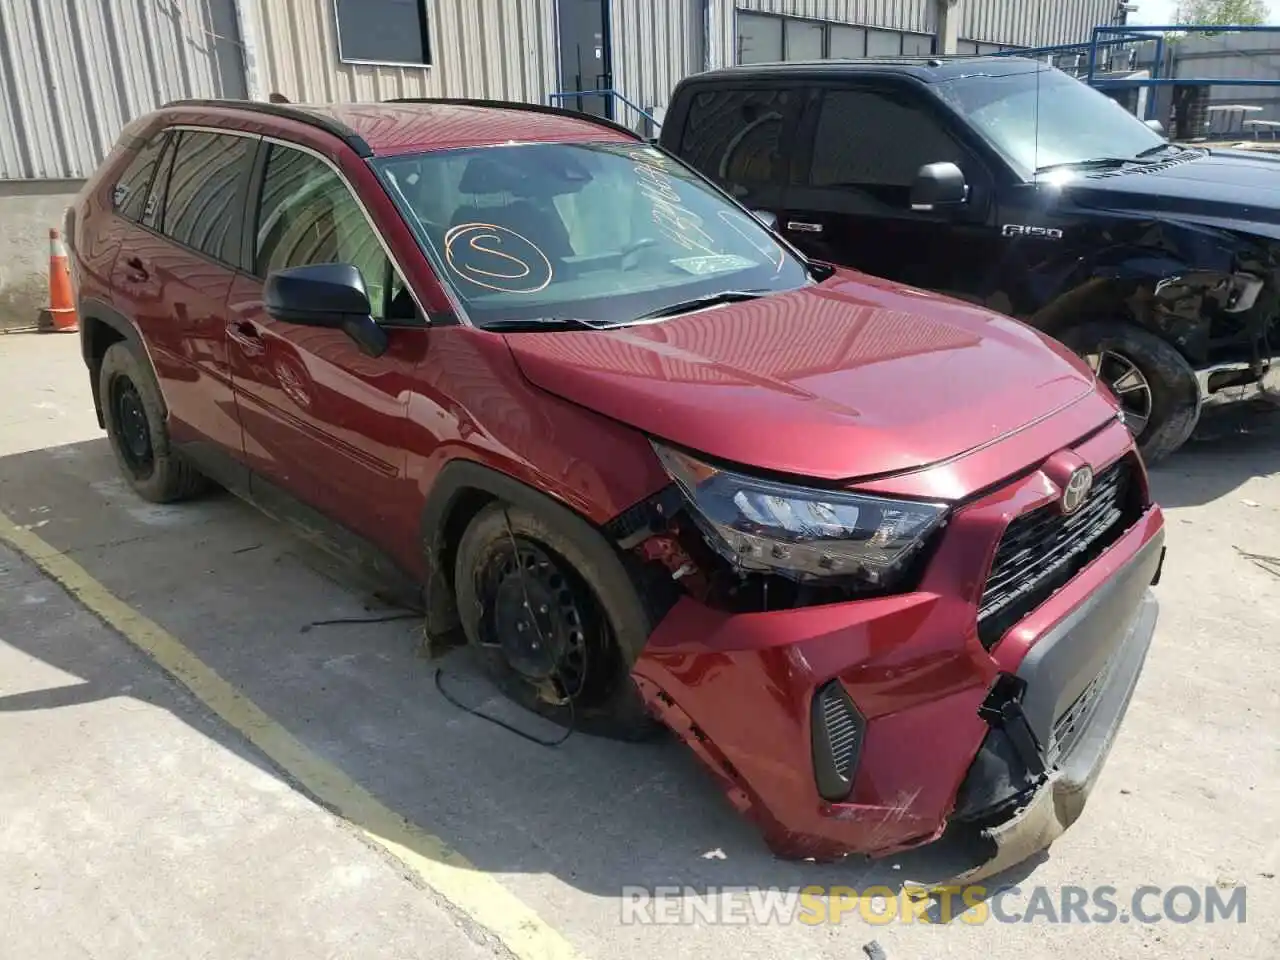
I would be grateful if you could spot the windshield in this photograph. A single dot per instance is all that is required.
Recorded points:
(1075, 123)
(605, 233)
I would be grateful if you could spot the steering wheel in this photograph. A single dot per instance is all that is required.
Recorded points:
(627, 257)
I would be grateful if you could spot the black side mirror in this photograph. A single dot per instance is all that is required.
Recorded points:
(939, 185)
(767, 217)
(326, 295)
(1155, 125)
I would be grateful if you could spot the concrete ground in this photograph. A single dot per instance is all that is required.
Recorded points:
(138, 819)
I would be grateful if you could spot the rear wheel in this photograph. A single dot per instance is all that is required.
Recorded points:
(556, 621)
(1153, 382)
(136, 428)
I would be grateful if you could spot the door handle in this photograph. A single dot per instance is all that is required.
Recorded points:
(803, 226)
(247, 336)
(137, 269)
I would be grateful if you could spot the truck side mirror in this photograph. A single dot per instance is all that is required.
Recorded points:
(1155, 125)
(939, 185)
(767, 217)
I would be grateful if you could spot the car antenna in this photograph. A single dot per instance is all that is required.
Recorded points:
(1035, 156)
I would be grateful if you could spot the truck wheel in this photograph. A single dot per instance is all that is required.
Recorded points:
(1155, 385)
(550, 608)
(136, 429)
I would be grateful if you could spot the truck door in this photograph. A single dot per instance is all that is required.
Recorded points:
(860, 147)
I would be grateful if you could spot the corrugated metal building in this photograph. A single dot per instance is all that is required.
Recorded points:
(75, 70)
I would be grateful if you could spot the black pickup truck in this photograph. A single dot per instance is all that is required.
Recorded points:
(1005, 182)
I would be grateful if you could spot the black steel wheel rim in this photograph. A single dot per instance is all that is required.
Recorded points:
(544, 620)
(133, 432)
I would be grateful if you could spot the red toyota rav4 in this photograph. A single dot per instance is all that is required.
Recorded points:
(880, 558)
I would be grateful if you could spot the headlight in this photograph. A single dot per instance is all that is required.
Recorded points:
(799, 532)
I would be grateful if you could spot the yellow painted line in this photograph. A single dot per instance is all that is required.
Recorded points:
(472, 891)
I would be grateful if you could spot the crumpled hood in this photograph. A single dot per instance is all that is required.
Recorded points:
(851, 378)
(1228, 189)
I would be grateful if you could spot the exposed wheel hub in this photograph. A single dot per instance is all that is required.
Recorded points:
(131, 423)
(538, 618)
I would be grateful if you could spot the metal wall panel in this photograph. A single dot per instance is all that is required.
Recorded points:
(656, 43)
(1033, 23)
(74, 72)
(479, 48)
(912, 16)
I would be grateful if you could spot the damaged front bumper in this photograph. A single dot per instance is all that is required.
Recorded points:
(745, 693)
(1230, 383)
(1081, 737)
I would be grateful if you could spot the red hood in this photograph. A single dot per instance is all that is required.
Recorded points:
(850, 378)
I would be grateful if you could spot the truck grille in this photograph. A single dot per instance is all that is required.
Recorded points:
(1040, 551)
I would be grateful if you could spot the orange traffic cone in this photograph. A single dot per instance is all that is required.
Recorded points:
(62, 305)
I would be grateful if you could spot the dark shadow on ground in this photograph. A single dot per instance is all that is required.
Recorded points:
(1230, 447)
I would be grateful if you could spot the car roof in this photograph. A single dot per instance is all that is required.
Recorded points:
(410, 126)
(926, 69)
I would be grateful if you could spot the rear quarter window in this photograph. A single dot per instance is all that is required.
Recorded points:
(129, 195)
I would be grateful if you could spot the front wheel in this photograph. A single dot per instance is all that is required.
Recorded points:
(1156, 387)
(553, 614)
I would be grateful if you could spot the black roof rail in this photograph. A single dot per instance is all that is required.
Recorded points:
(289, 112)
(521, 105)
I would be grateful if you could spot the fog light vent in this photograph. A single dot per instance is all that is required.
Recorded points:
(837, 740)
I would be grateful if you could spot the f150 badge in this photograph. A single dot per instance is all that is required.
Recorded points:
(1044, 233)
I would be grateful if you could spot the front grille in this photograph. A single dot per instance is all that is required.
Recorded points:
(1068, 727)
(1040, 551)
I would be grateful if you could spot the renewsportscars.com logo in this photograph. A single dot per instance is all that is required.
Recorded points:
(975, 905)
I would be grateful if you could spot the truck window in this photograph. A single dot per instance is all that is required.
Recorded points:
(870, 139)
(735, 137)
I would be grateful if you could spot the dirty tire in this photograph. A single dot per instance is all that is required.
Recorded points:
(135, 420)
(600, 578)
(1175, 394)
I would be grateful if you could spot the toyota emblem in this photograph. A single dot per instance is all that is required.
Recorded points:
(1077, 489)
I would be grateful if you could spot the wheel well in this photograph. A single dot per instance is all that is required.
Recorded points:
(98, 336)
(442, 610)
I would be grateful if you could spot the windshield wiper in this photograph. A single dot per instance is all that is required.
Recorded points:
(1093, 162)
(525, 324)
(698, 303)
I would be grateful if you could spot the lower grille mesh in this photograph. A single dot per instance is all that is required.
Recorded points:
(842, 730)
(1068, 727)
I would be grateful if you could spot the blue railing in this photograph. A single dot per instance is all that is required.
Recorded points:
(610, 97)
(1114, 35)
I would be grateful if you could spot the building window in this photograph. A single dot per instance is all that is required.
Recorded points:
(804, 40)
(766, 38)
(383, 31)
(759, 39)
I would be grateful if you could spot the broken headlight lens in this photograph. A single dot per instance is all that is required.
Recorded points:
(798, 532)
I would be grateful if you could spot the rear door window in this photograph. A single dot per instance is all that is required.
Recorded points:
(130, 193)
(738, 137)
(205, 197)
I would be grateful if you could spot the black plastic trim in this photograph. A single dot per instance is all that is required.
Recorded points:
(286, 112)
(832, 785)
(527, 107)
